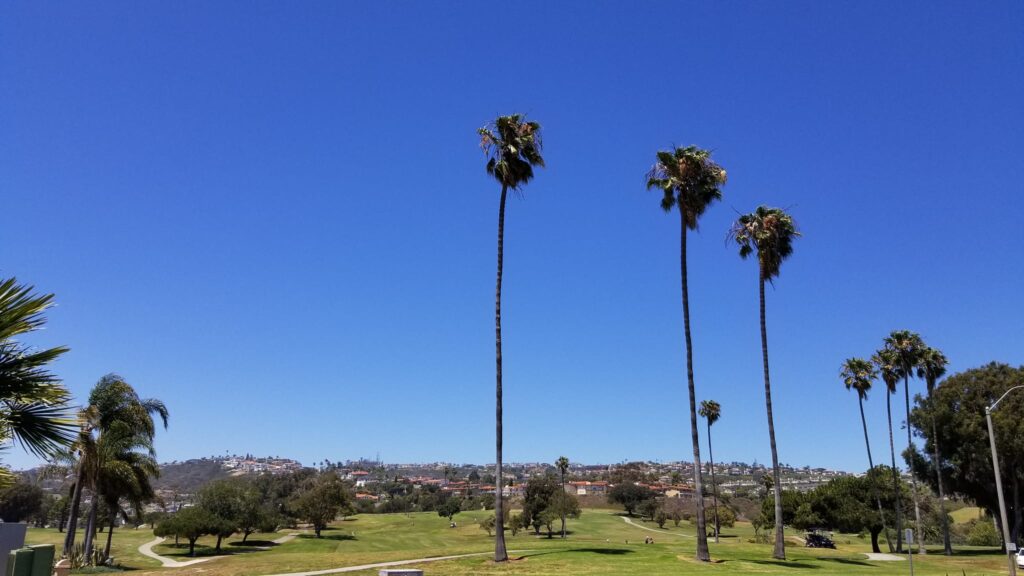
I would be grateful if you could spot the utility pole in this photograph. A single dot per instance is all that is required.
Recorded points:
(1011, 547)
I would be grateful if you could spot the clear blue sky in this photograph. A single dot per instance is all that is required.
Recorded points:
(275, 217)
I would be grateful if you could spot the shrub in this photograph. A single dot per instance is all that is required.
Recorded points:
(983, 533)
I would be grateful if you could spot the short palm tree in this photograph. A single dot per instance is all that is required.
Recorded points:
(932, 366)
(33, 401)
(858, 374)
(908, 347)
(513, 148)
(888, 368)
(563, 466)
(115, 420)
(690, 182)
(770, 233)
(712, 411)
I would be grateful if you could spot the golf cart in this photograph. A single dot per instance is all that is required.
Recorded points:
(817, 538)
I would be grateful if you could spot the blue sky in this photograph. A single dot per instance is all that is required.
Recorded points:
(275, 217)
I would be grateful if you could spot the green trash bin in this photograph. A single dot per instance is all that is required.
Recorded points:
(42, 559)
(19, 563)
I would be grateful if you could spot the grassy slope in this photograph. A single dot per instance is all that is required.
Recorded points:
(601, 544)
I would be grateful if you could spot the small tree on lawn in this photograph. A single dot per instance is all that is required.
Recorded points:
(450, 508)
(629, 496)
(487, 524)
(189, 523)
(321, 502)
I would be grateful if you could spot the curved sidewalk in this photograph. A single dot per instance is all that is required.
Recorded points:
(147, 550)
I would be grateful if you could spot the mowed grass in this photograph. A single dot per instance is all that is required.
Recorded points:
(600, 542)
(965, 515)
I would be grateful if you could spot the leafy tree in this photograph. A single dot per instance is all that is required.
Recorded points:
(931, 367)
(689, 181)
(628, 473)
(958, 407)
(450, 508)
(223, 499)
(844, 504)
(770, 233)
(648, 508)
(537, 496)
(33, 401)
(908, 347)
(726, 516)
(564, 505)
(487, 524)
(887, 364)
(517, 522)
(660, 518)
(321, 501)
(563, 466)
(513, 147)
(858, 374)
(712, 411)
(20, 501)
(630, 496)
(190, 523)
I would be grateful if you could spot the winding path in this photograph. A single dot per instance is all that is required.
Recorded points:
(631, 523)
(147, 550)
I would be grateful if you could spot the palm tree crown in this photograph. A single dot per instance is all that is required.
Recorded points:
(32, 399)
(513, 146)
(858, 374)
(908, 348)
(710, 410)
(931, 366)
(888, 368)
(769, 231)
(689, 180)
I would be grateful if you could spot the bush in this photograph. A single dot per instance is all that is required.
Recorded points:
(983, 533)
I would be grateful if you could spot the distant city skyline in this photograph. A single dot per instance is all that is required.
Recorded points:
(276, 218)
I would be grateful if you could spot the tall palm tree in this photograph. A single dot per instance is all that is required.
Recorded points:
(513, 147)
(932, 366)
(33, 401)
(690, 182)
(769, 232)
(858, 374)
(908, 347)
(887, 364)
(563, 466)
(114, 409)
(712, 411)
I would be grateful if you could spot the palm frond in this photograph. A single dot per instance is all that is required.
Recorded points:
(41, 429)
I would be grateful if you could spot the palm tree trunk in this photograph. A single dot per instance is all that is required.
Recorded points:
(947, 546)
(76, 502)
(500, 554)
(871, 466)
(714, 484)
(913, 477)
(702, 535)
(895, 477)
(110, 536)
(90, 526)
(67, 508)
(779, 552)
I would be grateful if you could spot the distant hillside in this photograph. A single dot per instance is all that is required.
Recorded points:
(186, 477)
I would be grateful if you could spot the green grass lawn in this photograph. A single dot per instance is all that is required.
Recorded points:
(600, 543)
(966, 514)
